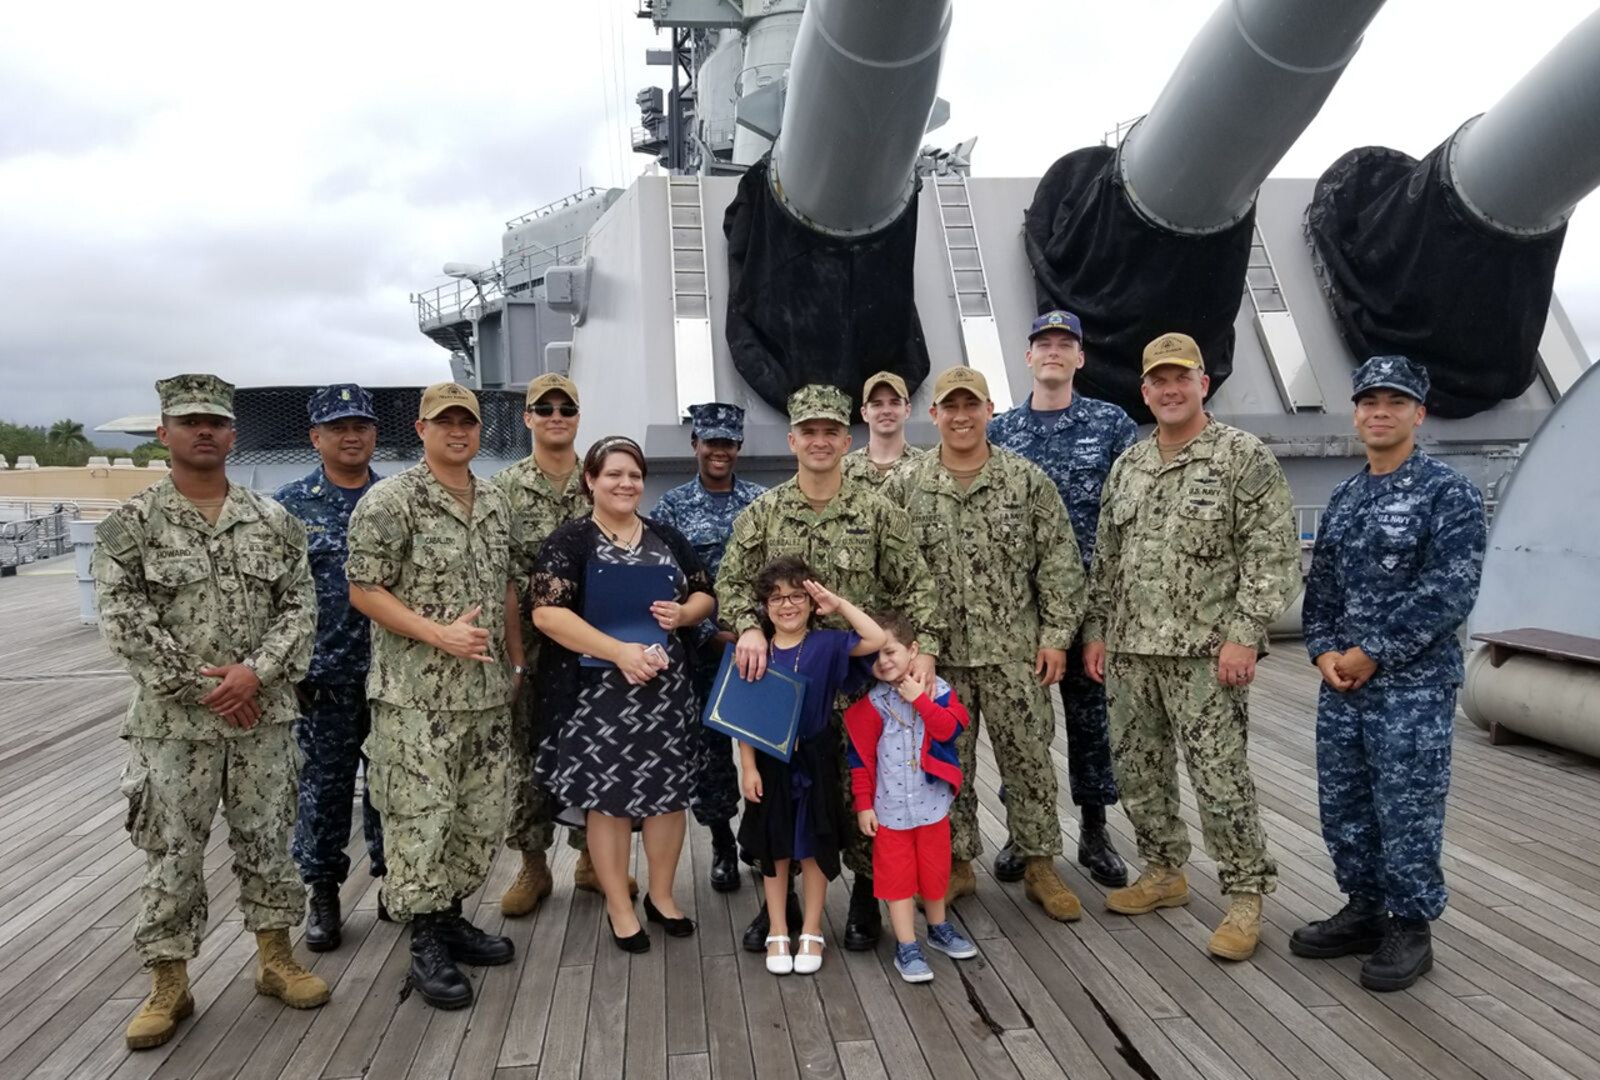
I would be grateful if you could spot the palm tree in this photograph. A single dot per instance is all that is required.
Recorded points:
(68, 435)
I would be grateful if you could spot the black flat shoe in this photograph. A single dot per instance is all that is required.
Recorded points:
(636, 943)
(683, 926)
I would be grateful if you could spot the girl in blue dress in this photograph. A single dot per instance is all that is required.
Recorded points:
(795, 810)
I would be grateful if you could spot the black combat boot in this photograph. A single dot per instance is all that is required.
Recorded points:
(724, 860)
(755, 935)
(1358, 927)
(1095, 853)
(864, 924)
(1405, 955)
(1008, 865)
(433, 974)
(322, 917)
(469, 945)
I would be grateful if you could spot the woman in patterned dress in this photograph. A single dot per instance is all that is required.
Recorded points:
(622, 745)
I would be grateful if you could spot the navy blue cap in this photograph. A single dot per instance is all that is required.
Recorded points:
(1057, 320)
(338, 402)
(1391, 373)
(717, 420)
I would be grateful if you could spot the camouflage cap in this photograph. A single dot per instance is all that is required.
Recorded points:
(447, 395)
(339, 402)
(1173, 348)
(960, 378)
(1391, 373)
(717, 420)
(188, 395)
(886, 378)
(819, 402)
(549, 383)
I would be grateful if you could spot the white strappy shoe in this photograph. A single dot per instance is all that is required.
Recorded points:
(809, 963)
(783, 963)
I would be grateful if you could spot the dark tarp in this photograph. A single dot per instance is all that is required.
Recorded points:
(807, 308)
(1412, 271)
(1130, 281)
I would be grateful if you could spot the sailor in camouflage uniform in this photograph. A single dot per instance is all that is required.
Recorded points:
(1074, 439)
(704, 510)
(333, 696)
(205, 596)
(996, 538)
(431, 563)
(1196, 554)
(545, 490)
(885, 408)
(1394, 574)
(862, 545)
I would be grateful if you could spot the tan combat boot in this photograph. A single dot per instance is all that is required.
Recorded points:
(533, 884)
(584, 877)
(1157, 887)
(169, 1002)
(1045, 888)
(1240, 928)
(279, 974)
(963, 882)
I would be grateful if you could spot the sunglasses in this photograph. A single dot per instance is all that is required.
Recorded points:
(546, 410)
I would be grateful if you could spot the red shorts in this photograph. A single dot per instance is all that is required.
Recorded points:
(912, 862)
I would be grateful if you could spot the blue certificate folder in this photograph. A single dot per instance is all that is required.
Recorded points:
(617, 599)
(764, 713)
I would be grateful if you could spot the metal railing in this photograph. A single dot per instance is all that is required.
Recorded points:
(461, 300)
(551, 207)
(37, 537)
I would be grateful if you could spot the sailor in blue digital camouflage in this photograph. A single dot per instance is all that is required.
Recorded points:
(1393, 576)
(1196, 554)
(333, 696)
(703, 510)
(432, 551)
(205, 596)
(1074, 439)
(545, 490)
(885, 408)
(1000, 548)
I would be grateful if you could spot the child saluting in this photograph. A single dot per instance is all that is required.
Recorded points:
(904, 774)
(795, 810)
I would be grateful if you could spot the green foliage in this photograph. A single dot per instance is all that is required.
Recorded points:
(64, 443)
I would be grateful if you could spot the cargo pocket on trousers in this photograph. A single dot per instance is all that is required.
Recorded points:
(143, 829)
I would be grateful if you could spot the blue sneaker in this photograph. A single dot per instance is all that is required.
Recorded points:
(950, 941)
(909, 962)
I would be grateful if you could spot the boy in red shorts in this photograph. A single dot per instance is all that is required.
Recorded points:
(904, 774)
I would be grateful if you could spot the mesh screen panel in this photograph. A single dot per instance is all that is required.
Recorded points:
(273, 426)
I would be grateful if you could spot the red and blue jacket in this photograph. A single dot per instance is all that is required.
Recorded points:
(943, 719)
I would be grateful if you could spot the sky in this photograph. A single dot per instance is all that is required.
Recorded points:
(257, 190)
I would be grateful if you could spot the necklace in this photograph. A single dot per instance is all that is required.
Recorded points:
(616, 537)
(799, 650)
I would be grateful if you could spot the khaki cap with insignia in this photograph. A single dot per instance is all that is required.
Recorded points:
(960, 378)
(1179, 349)
(545, 384)
(447, 395)
(189, 395)
(889, 378)
(819, 402)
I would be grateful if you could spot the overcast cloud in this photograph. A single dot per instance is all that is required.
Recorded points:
(256, 191)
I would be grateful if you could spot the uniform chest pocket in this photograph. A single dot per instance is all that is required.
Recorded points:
(1198, 530)
(322, 540)
(432, 559)
(1395, 554)
(852, 556)
(262, 563)
(175, 571)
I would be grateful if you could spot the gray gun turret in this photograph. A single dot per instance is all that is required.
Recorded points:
(1155, 235)
(1451, 259)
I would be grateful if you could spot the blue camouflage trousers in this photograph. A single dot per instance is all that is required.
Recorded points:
(334, 721)
(716, 795)
(1383, 770)
(1090, 774)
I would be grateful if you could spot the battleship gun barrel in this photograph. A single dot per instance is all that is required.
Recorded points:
(1522, 166)
(862, 85)
(1252, 80)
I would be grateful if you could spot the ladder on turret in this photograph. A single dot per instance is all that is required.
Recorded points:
(1297, 384)
(691, 304)
(980, 336)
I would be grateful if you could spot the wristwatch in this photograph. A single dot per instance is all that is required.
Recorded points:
(516, 669)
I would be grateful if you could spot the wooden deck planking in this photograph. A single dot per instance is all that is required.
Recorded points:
(1515, 991)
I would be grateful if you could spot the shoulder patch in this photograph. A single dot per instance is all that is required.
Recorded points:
(114, 535)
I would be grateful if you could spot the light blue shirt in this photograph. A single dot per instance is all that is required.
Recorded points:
(905, 796)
